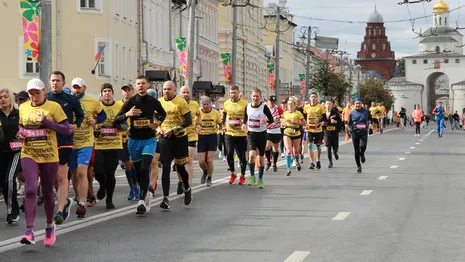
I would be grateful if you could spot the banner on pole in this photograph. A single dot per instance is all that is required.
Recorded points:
(181, 50)
(31, 22)
(302, 81)
(271, 75)
(226, 57)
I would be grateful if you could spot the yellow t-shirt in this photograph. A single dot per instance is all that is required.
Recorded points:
(374, 111)
(41, 142)
(210, 122)
(234, 116)
(382, 110)
(291, 129)
(123, 133)
(175, 110)
(110, 137)
(314, 117)
(191, 132)
(84, 135)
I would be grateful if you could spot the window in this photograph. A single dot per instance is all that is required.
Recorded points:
(457, 60)
(384, 46)
(440, 20)
(31, 66)
(438, 50)
(88, 4)
(123, 65)
(131, 3)
(446, 61)
(116, 7)
(373, 46)
(425, 61)
(445, 21)
(116, 63)
(414, 61)
(104, 64)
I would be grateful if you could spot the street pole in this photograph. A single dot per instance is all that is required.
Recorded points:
(234, 47)
(278, 40)
(45, 40)
(350, 79)
(309, 57)
(181, 79)
(358, 82)
(191, 43)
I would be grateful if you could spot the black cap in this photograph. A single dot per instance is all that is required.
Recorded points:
(106, 86)
(23, 95)
(128, 86)
(273, 98)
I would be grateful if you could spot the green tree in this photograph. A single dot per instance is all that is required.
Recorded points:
(400, 66)
(327, 83)
(371, 90)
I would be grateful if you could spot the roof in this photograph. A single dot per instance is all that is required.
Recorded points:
(440, 31)
(375, 17)
(438, 39)
(459, 83)
(434, 55)
(401, 81)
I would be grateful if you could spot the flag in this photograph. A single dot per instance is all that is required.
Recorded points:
(99, 53)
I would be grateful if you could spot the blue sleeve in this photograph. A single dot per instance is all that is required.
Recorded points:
(101, 117)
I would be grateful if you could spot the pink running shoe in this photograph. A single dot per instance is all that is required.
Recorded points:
(49, 238)
(28, 238)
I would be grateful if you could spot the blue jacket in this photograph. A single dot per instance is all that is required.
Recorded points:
(440, 110)
(73, 111)
(358, 121)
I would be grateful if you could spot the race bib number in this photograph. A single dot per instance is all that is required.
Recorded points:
(312, 126)
(15, 145)
(234, 122)
(254, 123)
(361, 126)
(141, 123)
(108, 131)
(289, 131)
(35, 133)
(330, 128)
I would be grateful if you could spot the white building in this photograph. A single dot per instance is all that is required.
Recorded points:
(440, 57)
(207, 36)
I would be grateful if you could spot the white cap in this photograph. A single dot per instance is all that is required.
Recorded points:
(35, 84)
(78, 82)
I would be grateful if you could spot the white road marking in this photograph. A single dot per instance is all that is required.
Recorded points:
(382, 177)
(297, 256)
(402, 158)
(394, 166)
(407, 153)
(421, 140)
(366, 192)
(412, 147)
(341, 216)
(417, 143)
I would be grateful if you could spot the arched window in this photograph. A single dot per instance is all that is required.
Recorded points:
(440, 20)
(373, 46)
(445, 21)
(438, 50)
(384, 46)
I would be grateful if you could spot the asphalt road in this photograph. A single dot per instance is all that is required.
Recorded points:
(407, 205)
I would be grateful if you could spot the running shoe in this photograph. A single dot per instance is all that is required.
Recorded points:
(362, 158)
(137, 193)
(298, 166)
(131, 195)
(147, 201)
(109, 204)
(141, 208)
(268, 165)
(66, 208)
(288, 172)
(242, 180)
(318, 165)
(204, 177)
(260, 184)
(28, 238)
(359, 169)
(165, 204)
(180, 188)
(209, 182)
(101, 193)
(49, 238)
(336, 156)
(312, 166)
(92, 202)
(188, 196)
(81, 210)
(330, 165)
(251, 181)
(11, 219)
(59, 218)
(220, 155)
(233, 178)
(275, 168)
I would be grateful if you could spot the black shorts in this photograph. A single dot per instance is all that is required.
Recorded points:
(332, 140)
(274, 138)
(124, 153)
(64, 155)
(257, 141)
(374, 121)
(207, 143)
(192, 144)
(315, 138)
(173, 148)
(157, 150)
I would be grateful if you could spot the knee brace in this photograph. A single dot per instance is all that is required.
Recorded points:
(288, 151)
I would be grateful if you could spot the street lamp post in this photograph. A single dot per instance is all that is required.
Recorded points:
(358, 70)
(307, 34)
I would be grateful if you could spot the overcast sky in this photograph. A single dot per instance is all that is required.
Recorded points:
(351, 35)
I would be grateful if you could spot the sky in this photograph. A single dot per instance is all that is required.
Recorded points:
(403, 41)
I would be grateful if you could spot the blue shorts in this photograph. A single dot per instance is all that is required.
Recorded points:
(80, 156)
(137, 148)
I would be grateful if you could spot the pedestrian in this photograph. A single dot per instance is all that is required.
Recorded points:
(438, 111)
(359, 120)
(417, 116)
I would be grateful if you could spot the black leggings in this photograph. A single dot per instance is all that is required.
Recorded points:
(417, 128)
(106, 162)
(222, 144)
(332, 144)
(142, 173)
(360, 146)
(9, 166)
(238, 143)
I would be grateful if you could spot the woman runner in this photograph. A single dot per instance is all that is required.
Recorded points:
(292, 121)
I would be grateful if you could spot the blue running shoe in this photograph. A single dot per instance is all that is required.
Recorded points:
(137, 193)
(131, 195)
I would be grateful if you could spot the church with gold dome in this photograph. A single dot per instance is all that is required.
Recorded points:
(437, 72)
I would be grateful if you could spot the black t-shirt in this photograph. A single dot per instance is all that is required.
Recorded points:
(139, 128)
(10, 127)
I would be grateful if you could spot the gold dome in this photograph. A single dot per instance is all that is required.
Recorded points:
(440, 7)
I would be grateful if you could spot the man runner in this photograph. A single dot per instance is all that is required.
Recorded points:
(313, 112)
(72, 108)
(274, 134)
(140, 109)
(359, 121)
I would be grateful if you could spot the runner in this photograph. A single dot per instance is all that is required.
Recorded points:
(359, 121)
(438, 111)
(417, 115)
(236, 138)
(9, 155)
(256, 117)
(374, 112)
(345, 117)
(72, 108)
(313, 112)
(381, 116)
(174, 142)
(140, 109)
(208, 142)
(155, 161)
(83, 142)
(332, 121)
(134, 191)
(192, 136)
(39, 122)
(274, 135)
(292, 121)
(108, 144)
